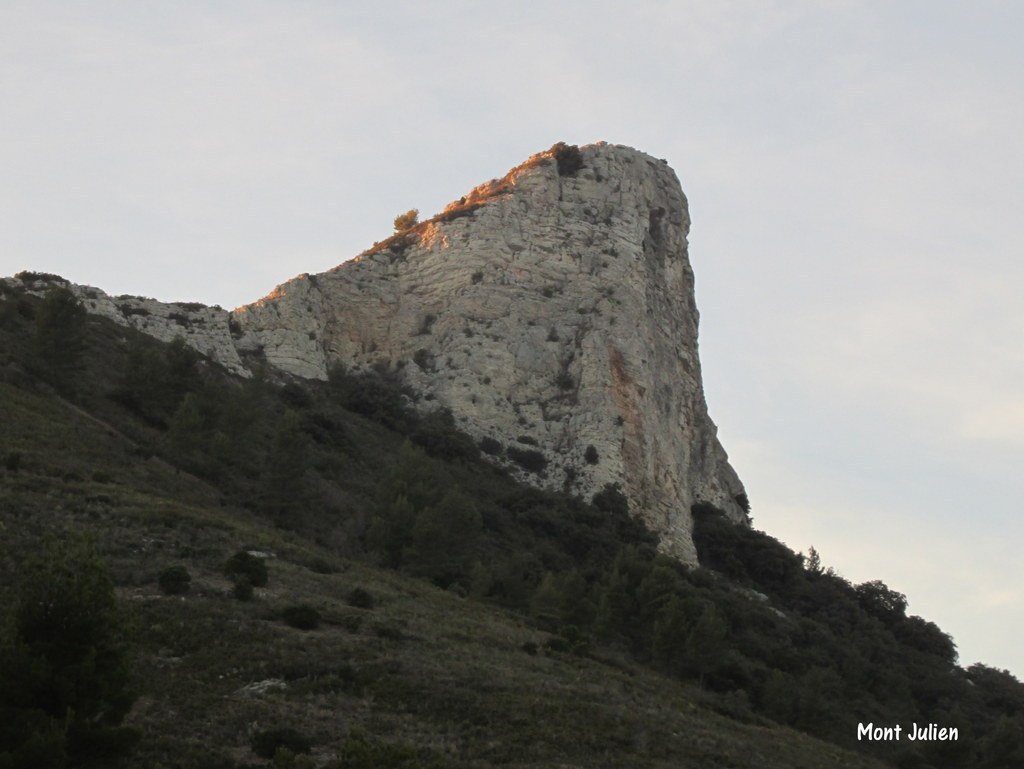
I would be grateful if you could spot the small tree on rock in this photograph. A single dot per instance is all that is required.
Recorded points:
(409, 219)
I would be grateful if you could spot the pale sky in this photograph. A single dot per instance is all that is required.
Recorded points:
(855, 173)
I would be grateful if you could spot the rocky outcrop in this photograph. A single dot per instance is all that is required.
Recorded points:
(207, 329)
(552, 311)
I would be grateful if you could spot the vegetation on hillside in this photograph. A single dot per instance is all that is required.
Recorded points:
(416, 605)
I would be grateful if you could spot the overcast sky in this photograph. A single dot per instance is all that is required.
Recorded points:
(855, 173)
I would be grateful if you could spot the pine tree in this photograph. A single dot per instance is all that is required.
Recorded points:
(813, 564)
(63, 664)
(444, 540)
(669, 637)
(546, 602)
(59, 338)
(705, 643)
(390, 532)
(409, 219)
(286, 493)
(185, 432)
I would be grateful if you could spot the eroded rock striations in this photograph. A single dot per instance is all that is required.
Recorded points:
(551, 311)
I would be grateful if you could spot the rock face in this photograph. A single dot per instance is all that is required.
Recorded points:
(552, 311)
(207, 329)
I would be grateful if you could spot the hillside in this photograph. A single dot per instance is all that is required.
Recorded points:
(499, 625)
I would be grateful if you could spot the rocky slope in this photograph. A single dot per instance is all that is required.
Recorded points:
(552, 311)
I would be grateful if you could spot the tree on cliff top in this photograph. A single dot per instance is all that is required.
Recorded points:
(409, 219)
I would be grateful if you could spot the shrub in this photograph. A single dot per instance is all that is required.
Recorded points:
(322, 566)
(557, 644)
(127, 309)
(363, 752)
(528, 459)
(287, 759)
(439, 436)
(27, 276)
(244, 564)
(242, 590)
(409, 219)
(568, 158)
(590, 455)
(423, 359)
(610, 499)
(265, 744)
(389, 633)
(301, 616)
(565, 381)
(489, 445)
(351, 622)
(13, 461)
(361, 599)
(175, 580)
(371, 396)
(426, 325)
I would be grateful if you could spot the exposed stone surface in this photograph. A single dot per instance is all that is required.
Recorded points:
(559, 309)
(207, 329)
(553, 313)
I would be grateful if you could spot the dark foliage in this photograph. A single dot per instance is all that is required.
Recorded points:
(301, 616)
(59, 338)
(155, 380)
(64, 664)
(245, 565)
(362, 752)
(568, 157)
(437, 434)
(266, 743)
(491, 446)
(565, 381)
(528, 459)
(361, 599)
(610, 499)
(242, 590)
(371, 396)
(409, 219)
(175, 580)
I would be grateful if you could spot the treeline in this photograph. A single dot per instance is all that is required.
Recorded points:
(351, 463)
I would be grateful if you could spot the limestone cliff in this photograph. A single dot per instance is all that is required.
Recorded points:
(551, 310)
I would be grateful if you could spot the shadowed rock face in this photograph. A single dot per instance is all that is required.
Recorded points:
(551, 312)
(554, 308)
